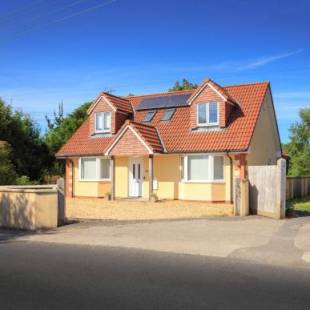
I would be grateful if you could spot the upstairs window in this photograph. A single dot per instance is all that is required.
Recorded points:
(207, 114)
(167, 115)
(149, 116)
(102, 122)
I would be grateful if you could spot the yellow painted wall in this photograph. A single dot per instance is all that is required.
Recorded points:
(208, 191)
(88, 188)
(265, 142)
(167, 173)
(121, 177)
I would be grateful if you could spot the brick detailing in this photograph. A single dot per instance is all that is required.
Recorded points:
(242, 165)
(69, 177)
(129, 144)
(208, 94)
(117, 118)
(120, 119)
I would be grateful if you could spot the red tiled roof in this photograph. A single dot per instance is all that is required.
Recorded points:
(121, 104)
(176, 135)
(150, 135)
(219, 88)
(146, 132)
(82, 144)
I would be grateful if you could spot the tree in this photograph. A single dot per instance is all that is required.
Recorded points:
(29, 154)
(184, 85)
(299, 146)
(60, 130)
(8, 174)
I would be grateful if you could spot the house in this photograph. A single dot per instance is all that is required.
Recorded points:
(187, 145)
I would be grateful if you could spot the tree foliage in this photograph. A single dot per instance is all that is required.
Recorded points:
(8, 174)
(29, 153)
(60, 130)
(183, 85)
(299, 146)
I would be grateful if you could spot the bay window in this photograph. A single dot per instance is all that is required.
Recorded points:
(94, 169)
(202, 168)
(102, 122)
(207, 114)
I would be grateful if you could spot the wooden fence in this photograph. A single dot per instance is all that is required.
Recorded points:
(297, 187)
(267, 189)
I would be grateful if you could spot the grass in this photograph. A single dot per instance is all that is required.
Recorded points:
(300, 204)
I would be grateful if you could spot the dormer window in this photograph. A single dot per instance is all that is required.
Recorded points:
(207, 114)
(149, 116)
(102, 122)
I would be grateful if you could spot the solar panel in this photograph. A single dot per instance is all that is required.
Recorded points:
(149, 116)
(164, 102)
(168, 115)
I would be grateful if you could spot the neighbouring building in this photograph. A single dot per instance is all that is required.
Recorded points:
(185, 145)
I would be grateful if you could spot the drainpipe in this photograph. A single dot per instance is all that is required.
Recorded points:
(231, 178)
(72, 178)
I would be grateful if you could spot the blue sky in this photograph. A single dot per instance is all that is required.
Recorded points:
(70, 50)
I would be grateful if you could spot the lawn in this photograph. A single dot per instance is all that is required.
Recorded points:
(301, 204)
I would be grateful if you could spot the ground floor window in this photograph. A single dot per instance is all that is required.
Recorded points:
(202, 168)
(94, 168)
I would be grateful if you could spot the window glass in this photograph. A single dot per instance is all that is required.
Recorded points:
(198, 168)
(107, 121)
(168, 115)
(202, 113)
(99, 121)
(213, 113)
(148, 116)
(88, 168)
(104, 168)
(182, 167)
(218, 166)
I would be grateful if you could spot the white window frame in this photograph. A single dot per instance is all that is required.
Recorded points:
(208, 123)
(104, 130)
(98, 163)
(211, 168)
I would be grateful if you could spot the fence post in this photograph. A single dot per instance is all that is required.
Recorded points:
(281, 188)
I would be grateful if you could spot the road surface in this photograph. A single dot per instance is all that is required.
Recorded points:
(36, 275)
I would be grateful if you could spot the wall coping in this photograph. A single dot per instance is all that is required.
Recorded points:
(38, 189)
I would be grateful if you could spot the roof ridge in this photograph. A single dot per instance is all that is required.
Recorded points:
(162, 93)
(246, 84)
(118, 97)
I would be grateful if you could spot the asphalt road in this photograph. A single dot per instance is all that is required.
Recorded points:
(50, 276)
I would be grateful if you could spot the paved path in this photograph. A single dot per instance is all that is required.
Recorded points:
(254, 238)
(35, 275)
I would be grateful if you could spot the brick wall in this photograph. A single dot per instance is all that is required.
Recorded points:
(129, 144)
(208, 94)
(117, 118)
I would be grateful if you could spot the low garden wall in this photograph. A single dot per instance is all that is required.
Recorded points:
(29, 207)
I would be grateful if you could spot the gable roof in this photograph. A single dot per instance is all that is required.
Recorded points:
(117, 103)
(222, 92)
(147, 134)
(176, 136)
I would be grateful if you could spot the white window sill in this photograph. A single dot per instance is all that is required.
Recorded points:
(203, 181)
(208, 125)
(95, 180)
(102, 131)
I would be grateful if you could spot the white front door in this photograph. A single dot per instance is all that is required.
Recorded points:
(135, 177)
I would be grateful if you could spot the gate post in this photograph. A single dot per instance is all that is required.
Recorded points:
(281, 188)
